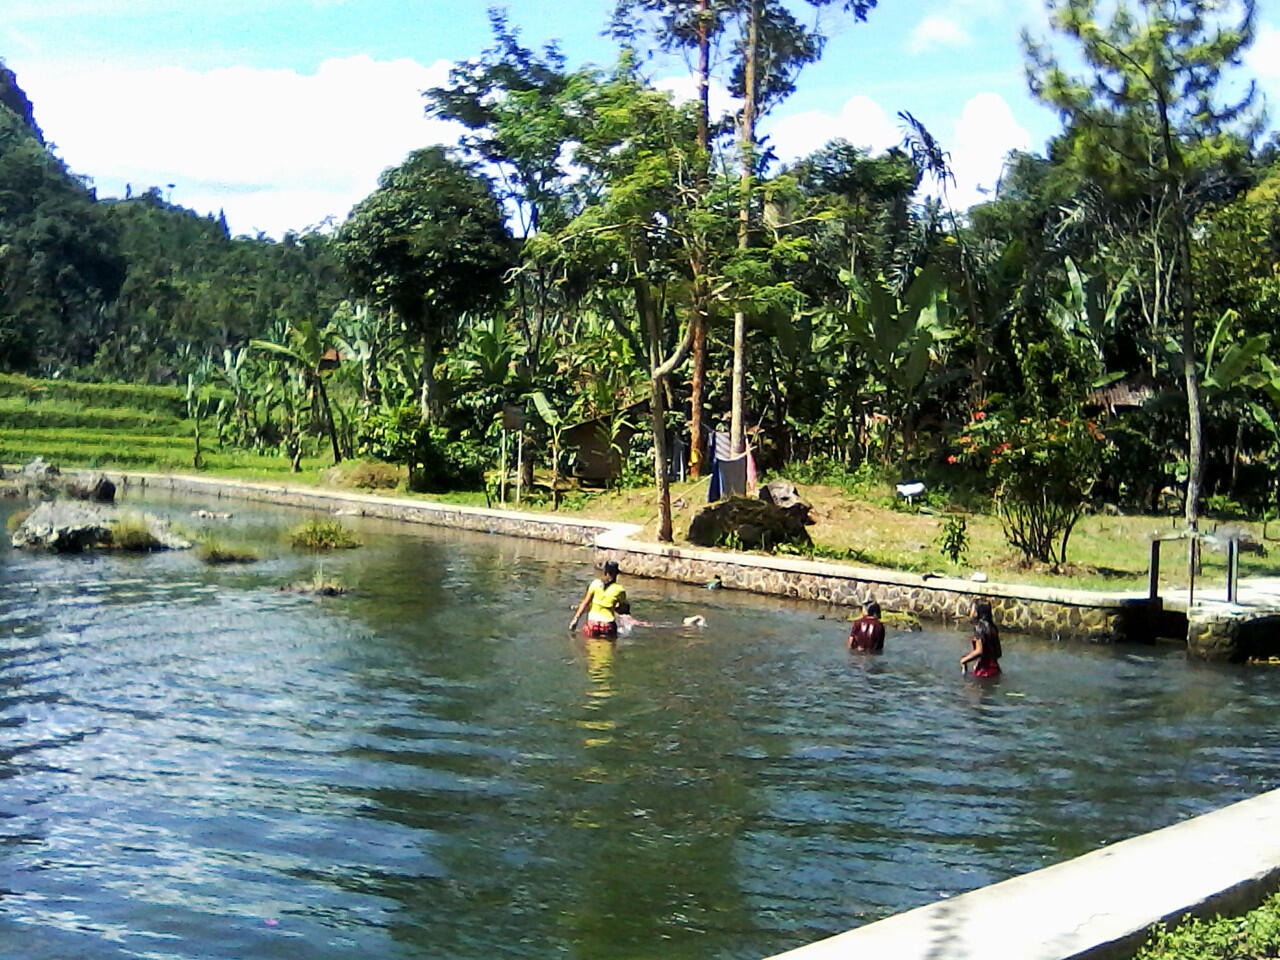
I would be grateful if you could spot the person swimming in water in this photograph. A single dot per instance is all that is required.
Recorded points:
(627, 623)
(602, 597)
(985, 651)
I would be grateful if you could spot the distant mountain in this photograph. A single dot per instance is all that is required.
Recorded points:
(13, 97)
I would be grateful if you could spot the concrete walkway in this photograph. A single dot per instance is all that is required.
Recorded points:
(1098, 906)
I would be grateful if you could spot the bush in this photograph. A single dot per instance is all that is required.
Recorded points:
(131, 532)
(437, 461)
(366, 475)
(1256, 934)
(322, 533)
(1043, 470)
(16, 518)
(953, 542)
(214, 553)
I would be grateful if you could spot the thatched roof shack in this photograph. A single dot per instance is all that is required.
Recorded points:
(1120, 396)
(598, 460)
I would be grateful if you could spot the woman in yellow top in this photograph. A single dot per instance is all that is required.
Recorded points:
(603, 597)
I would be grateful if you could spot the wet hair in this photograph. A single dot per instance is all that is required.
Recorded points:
(984, 627)
(872, 609)
(623, 608)
(611, 568)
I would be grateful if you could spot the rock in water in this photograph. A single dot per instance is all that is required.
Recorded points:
(752, 523)
(104, 491)
(67, 526)
(71, 526)
(39, 471)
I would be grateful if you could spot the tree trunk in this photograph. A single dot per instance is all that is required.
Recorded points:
(427, 381)
(657, 410)
(747, 148)
(697, 377)
(328, 418)
(657, 404)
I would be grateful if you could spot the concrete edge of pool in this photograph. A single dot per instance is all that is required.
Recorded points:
(1098, 906)
(1065, 614)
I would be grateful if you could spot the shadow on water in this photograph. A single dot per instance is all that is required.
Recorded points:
(193, 763)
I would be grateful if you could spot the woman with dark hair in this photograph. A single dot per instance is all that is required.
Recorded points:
(603, 599)
(985, 651)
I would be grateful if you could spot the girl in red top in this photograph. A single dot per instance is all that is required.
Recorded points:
(985, 651)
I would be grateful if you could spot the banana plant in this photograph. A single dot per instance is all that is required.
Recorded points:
(306, 350)
(902, 341)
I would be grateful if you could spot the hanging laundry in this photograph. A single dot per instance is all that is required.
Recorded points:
(733, 476)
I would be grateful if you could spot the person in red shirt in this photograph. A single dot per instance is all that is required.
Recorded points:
(867, 633)
(984, 652)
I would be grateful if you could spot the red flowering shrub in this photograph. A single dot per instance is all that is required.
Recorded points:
(1041, 470)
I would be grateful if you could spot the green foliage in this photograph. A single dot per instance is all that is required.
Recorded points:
(322, 533)
(16, 519)
(215, 553)
(1256, 934)
(430, 244)
(1043, 471)
(821, 469)
(130, 532)
(953, 542)
(437, 462)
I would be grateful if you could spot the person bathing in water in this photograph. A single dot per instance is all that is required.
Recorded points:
(627, 623)
(985, 651)
(603, 598)
(867, 633)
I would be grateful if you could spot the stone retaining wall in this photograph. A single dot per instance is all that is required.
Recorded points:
(1063, 614)
(1102, 619)
(1228, 634)
(530, 526)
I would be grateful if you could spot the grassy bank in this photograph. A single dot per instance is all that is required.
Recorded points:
(126, 427)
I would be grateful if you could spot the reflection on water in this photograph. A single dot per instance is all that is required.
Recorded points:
(193, 763)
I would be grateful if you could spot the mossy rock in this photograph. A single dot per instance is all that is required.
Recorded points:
(748, 523)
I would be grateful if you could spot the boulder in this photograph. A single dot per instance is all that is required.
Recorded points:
(66, 526)
(38, 471)
(754, 524)
(71, 526)
(104, 491)
(101, 490)
(783, 494)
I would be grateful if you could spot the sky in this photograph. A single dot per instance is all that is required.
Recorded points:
(283, 113)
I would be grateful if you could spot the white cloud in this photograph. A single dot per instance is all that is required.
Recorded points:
(861, 121)
(978, 141)
(984, 134)
(1263, 58)
(937, 32)
(277, 149)
(952, 24)
(684, 87)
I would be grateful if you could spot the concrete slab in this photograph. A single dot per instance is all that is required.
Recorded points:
(1098, 906)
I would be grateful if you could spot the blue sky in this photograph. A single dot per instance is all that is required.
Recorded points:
(283, 112)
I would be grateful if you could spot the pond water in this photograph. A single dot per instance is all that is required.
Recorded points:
(196, 764)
